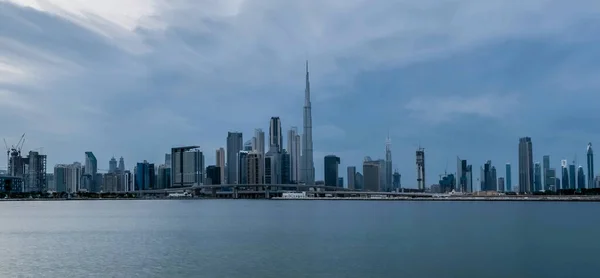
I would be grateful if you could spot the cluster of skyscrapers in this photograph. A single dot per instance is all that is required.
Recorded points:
(532, 176)
(251, 163)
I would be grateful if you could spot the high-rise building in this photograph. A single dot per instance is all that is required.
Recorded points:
(213, 175)
(525, 165)
(293, 147)
(243, 168)
(168, 159)
(461, 175)
(307, 165)
(234, 146)
(255, 168)
(340, 182)
(331, 163)
(580, 178)
(273, 167)
(494, 179)
(275, 136)
(501, 184)
(537, 177)
(351, 176)
(144, 176)
(388, 163)
(187, 166)
(565, 174)
(420, 168)
(488, 179)
(34, 178)
(248, 146)
(382, 177)
(60, 178)
(286, 161)
(111, 181)
(259, 134)
(259, 146)
(590, 166)
(396, 180)
(359, 181)
(508, 178)
(572, 176)
(164, 176)
(551, 177)
(122, 164)
(545, 168)
(372, 176)
(112, 165)
(89, 173)
(220, 161)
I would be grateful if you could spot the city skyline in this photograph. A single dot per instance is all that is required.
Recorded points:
(110, 98)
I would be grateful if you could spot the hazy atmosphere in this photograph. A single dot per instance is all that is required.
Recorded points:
(460, 78)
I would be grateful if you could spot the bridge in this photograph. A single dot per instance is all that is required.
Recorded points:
(267, 191)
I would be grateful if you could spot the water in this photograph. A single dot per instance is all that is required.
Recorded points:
(261, 238)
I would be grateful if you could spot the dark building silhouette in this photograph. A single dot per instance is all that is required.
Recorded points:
(213, 175)
(331, 170)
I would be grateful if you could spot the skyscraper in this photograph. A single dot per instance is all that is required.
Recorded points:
(242, 171)
(259, 146)
(525, 165)
(293, 147)
(501, 184)
(565, 174)
(144, 176)
(420, 168)
(580, 178)
(255, 167)
(248, 146)
(590, 166)
(461, 175)
(308, 166)
(537, 177)
(112, 165)
(187, 166)
(122, 164)
(331, 170)
(546, 167)
(388, 163)
(572, 176)
(275, 136)
(89, 172)
(234, 146)
(351, 176)
(220, 161)
(508, 178)
(552, 185)
(493, 179)
(396, 180)
(371, 175)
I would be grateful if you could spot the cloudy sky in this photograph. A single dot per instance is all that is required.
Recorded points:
(464, 78)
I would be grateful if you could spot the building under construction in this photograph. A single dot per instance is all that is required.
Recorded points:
(31, 169)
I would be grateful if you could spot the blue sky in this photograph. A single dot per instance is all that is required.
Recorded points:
(461, 78)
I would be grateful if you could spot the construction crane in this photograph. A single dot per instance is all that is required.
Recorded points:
(7, 153)
(19, 145)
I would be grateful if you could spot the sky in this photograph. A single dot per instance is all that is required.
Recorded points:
(465, 78)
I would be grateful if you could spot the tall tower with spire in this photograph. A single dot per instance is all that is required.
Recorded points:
(307, 164)
(590, 166)
(388, 162)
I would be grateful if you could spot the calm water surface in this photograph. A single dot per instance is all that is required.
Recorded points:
(238, 238)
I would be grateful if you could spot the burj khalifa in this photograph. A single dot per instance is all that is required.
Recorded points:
(307, 164)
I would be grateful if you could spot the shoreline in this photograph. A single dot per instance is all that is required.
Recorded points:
(404, 199)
